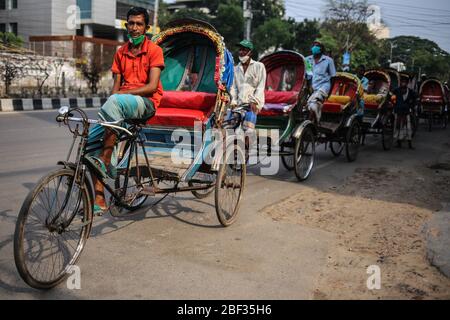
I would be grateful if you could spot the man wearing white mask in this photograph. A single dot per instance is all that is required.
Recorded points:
(249, 83)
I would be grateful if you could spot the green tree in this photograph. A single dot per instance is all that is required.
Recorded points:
(228, 17)
(418, 54)
(304, 33)
(345, 28)
(273, 33)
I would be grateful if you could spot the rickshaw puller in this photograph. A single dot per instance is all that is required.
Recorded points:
(136, 94)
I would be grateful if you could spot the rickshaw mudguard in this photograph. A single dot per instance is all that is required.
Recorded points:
(301, 127)
(350, 120)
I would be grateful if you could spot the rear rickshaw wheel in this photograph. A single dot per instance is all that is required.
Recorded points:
(336, 148)
(387, 133)
(305, 149)
(353, 141)
(230, 184)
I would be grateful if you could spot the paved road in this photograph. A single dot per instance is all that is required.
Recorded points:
(177, 250)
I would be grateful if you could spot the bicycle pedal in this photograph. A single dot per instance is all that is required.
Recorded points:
(148, 191)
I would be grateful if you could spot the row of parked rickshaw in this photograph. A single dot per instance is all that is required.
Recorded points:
(341, 127)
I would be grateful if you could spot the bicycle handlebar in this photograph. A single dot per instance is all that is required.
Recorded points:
(114, 124)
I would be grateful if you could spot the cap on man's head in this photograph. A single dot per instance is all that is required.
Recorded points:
(246, 44)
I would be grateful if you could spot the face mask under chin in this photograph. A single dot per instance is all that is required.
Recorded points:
(244, 59)
(137, 40)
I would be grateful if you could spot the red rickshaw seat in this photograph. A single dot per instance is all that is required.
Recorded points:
(433, 99)
(188, 100)
(278, 97)
(331, 107)
(183, 108)
(177, 117)
(371, 106)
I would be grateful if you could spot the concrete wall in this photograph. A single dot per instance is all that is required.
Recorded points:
(104, 12)
(60, 16)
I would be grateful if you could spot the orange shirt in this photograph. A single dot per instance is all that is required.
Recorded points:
(135, 70)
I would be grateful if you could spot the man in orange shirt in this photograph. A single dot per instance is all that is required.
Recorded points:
(136, 93)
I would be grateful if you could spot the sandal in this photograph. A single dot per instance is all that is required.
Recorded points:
(110, 172)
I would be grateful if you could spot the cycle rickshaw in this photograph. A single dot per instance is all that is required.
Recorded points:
(378, 109)
(433, 103)
(339, 126)
(286, 92)
(55, 220)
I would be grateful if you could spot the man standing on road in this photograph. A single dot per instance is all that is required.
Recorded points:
(136, 94)
(321, 71)
(405, 100)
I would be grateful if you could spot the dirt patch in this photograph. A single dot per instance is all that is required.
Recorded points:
(377, 216)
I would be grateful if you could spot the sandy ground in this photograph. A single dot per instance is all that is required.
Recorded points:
(377, 216)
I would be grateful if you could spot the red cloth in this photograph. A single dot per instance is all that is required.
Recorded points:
(135, 70)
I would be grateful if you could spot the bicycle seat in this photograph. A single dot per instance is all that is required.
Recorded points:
(136, 122)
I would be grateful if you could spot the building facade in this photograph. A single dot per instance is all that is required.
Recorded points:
(89, 18)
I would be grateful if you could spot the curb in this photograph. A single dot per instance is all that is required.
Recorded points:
(49, 103)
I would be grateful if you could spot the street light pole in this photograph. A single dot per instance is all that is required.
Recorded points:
(248, 16)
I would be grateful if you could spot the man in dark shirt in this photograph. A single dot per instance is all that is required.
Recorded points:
(405, 100)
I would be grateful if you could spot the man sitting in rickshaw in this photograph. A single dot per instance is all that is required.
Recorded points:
(136, 93)
(405, 100)
(320, 71)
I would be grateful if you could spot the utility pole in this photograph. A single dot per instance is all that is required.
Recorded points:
(392, 49)
(248, 16)
(155, 16)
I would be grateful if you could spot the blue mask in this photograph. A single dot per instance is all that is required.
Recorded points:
(316, 50)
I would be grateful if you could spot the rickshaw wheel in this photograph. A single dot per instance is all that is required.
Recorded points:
(288, 161)
(353, 141)
(305, 149)
(230, 185)
(387, 133)
(336, 148)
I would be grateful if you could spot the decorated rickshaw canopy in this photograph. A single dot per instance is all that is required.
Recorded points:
(285, 71)
(194, 52)
(395, 78)
(378, 75)
(341, 78)
(433, 90)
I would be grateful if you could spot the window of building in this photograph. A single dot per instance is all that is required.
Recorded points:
(2, 4)
(85, 8)
(13, 28)
(14, 4)
(2, 27)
